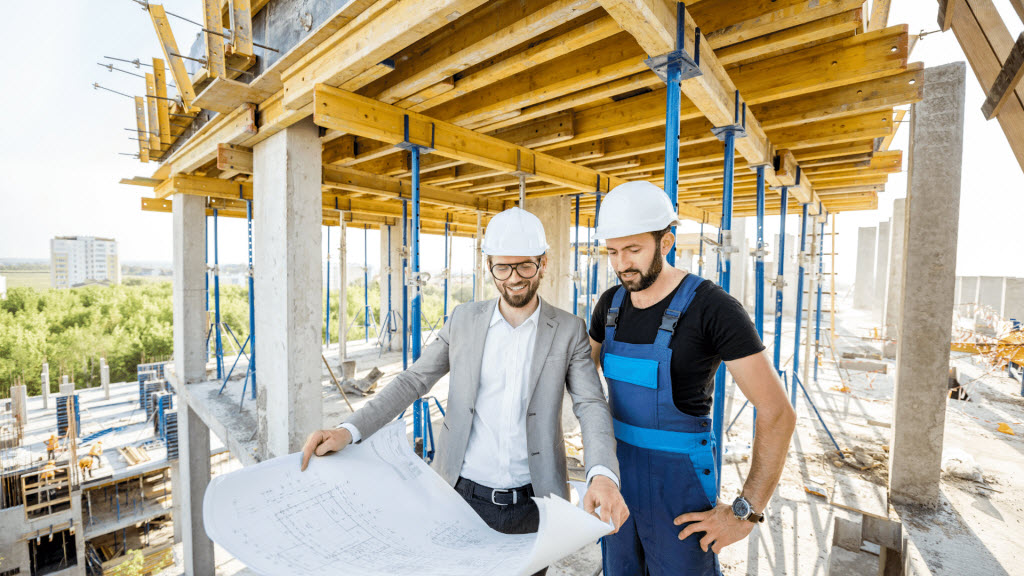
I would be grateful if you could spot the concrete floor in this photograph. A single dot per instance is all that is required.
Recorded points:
(976, 530)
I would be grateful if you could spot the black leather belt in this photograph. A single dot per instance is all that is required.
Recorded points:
(497, 496)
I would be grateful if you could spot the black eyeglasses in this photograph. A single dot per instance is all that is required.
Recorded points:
(526, 270)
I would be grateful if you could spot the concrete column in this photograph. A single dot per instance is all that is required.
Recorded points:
(1013, 299)
(45, 385)
(968, 290)
(189, 289)
(897, 239)
(685, 261)
(19, 404)
(956, 292)
(738, 259)
(990, 292)
(555, 287)
(342, 294)
(286, 189)
(482, 275)
(864, 283)
(194, 470)
(67, 389)
(929, 264)
(881, 273)
(105, 378)
(395, 320)
(64, 380)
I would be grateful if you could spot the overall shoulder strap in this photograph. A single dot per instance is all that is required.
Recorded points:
(676, 308)
(612, 317)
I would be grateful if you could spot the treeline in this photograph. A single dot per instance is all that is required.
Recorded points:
(133, 323)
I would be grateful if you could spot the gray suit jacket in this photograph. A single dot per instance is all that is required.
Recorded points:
(561, 361)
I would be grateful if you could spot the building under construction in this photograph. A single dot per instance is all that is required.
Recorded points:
(415, 117)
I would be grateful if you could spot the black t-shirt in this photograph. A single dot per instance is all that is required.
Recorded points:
(714, 328)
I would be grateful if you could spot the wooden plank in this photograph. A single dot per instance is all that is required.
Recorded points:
(204, 186)
(241, 27)
(556, 128)
(946, 10)
(861, 496)
(212, 18)
(784, 39)
(879, 15)
(153, 124)
(140, 129)
(156, 205)
(162, 106)
(349, 52)
(887, 140)
(141, 181)
(486, 32)
(201, 148)
(224, 95)
(169, 46)
(1006, 82)
(340, 150)
(357, 181)
(986, 42)
(575, 39)
(234, 158)
(727, 22)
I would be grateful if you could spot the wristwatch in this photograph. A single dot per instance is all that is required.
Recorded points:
(743, 511)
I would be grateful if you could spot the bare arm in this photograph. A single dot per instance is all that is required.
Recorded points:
(773, 431)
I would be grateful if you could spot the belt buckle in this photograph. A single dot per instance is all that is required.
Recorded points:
(495, 491)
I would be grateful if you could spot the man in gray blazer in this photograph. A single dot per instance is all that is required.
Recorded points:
(509, 361)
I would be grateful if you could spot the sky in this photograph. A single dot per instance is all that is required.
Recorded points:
(60, 167)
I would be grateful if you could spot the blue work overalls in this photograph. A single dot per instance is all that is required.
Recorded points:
(666, 457)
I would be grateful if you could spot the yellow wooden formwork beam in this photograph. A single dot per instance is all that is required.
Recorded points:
(729, 22)
(241, 27)
(213, 19)
(155, 142)
(170, 47)
(361, 45)
(766, 45)
(162, 107)
(357, 181)
(234, 158)
(204, 186)
(140, 128)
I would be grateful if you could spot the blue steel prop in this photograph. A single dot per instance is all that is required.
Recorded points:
(327, 306)
(249, 381)
(780, 279)
(673, 68)
(758, 281)
(801, 254)
(817, 319)
(728, 135)
(447, 265)
(422, 429)
(590, 260)
(216, 299)
(405, 285)
(366, 284)
(576, 265)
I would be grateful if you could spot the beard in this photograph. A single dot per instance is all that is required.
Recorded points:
(646, 279)
(520, 299)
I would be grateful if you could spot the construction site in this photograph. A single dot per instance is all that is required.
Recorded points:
(768, 122)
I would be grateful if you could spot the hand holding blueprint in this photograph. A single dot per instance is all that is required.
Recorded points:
(376, 509)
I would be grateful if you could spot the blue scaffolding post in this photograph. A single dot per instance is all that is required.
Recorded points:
(405, 285)
(590, 264)
(801, 256)
(759, 253)
(216, 299)
(366, 284)
(422, 428)
(673, 68)
(597, 243)
(728, 135)
(250, 372)
(447, 265)
(327, 306)
(576, 265)
(817, 319)
(206, 266)
(780, 278)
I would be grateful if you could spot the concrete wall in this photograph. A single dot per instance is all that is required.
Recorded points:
(1013, 298)
(990, 292)
(968, 290)
(864, 282)
(555, 287)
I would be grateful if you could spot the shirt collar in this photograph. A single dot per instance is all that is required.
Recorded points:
(497, 317)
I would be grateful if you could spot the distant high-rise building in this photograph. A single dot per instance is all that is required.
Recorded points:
(77, 260)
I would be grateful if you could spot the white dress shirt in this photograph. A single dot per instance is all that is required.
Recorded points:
(497, 455)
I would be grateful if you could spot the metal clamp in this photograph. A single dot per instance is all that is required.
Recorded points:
(760, 251)
(406, 144)
(804, 258)
(779, 281)
(688, 66)
(739, 126)
(417, 279)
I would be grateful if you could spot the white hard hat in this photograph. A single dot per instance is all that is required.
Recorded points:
(515, 232)
(634, 208)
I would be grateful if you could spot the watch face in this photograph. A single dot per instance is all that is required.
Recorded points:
(740, 508)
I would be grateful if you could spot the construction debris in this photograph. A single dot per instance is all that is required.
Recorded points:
(365, 385)
(957, 463)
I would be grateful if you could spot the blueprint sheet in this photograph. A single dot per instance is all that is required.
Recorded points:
(376, 509)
